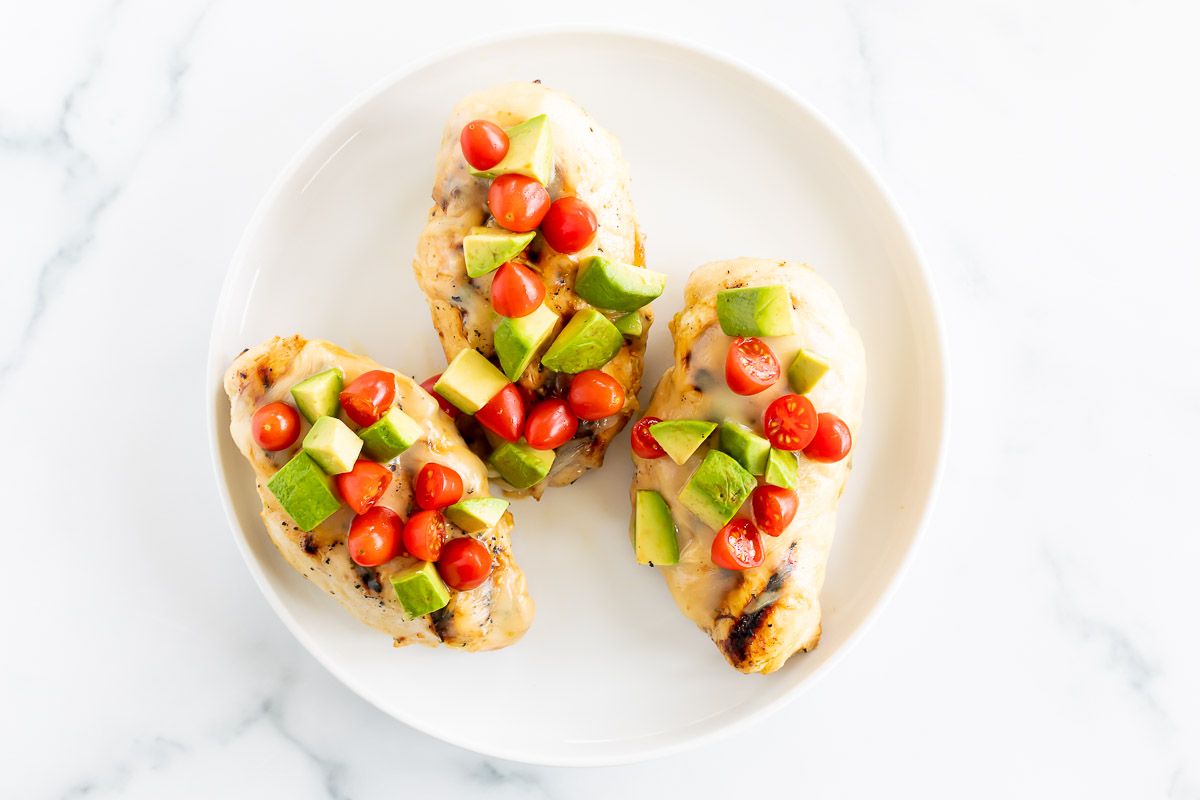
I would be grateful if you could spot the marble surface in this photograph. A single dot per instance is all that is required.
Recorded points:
(1044, 642)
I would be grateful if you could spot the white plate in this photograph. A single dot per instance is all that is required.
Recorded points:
(610, 671)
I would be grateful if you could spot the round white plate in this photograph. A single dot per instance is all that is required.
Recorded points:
(610, 671)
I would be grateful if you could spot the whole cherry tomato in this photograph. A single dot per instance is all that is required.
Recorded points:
(774, 508)
(518, 202)
(464, 563)
(504, 414)
(423, 535)
(367, 397)
(374, 537)
(437, 486)
(275, 426)
(737, 546)
(790, 422)
(550, 424)
(516, 290)
(644, 444)
(750, 366)
(569, 225)
(442, 402)
(362, 486)
(484, 144)
(832, 442)
(595, 395)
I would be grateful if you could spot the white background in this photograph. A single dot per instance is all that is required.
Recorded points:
(1045, 642)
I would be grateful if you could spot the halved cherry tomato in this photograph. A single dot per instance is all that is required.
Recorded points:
(832, 442)
(374, 537)
(774, 508)
(423, 535)
(367, 397)
(790, 422)
(504, 414)
(442, 402)
(595, 395)
(275, 426)
(550, 424)
(464, 563)
(362, 486)
(516, 290)
(484, 144)
(643, 443)
(569, 225)
(437, 486)
(518, 202)
(750, 366)
(737, 546)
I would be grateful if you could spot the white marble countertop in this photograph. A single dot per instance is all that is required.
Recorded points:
(1044, 643)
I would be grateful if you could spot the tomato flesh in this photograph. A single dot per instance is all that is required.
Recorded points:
(832, 442)
(437, 486)
(774, 508)
(519, 203)
(464, 563)
(367, 397)
(790, 422)
(374, 537)
(550, 424)
(517, 290)
(275, 426)
(595, 395)
(750, 366)
(423, 535)
(484, 144)
(738, 546)
(442, 402)
(362, 486)
(504, 414)
(642, 442)
(569, 225)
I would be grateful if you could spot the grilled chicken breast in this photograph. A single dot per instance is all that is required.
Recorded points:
(588, 164)
(493, 615)
(759, 617)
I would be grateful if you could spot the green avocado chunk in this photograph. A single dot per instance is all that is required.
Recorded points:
(654, 532)
(617, 286)
(477, 514)
(305, 491)
(520, 464)
(783, 469)
(530, 152)
(484, 249)
(747, 447)
(420, 589)
(317, 395)
(630, 324)
(470, 381)
(333, 445)
(681, 437)
(519, 339)
(589, 341)
(756, 311)
(807, 368)
(394, 433)
(717, 489)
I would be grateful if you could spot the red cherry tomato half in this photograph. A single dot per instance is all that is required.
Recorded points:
(374, 537)
(518, 202)
(464, 563)
(437, 486)
(275, 426)
(362, 486)
(643, 443)
(442, 402)
(750, 366)
(484, 144)
(550, 424)
(595, 395)
(516, 290)
(737, 546)
(774, 508)
(504, 414)
(423, 535)
(790, 422)
(367, 397)
(832, 442)
(569, 225)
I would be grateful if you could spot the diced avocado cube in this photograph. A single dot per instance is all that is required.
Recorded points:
(477, 514)
(305, 491)
(654, 532)
(756, 311)
(520, 464)
(630, 324)
(617, 286)
(530, 152)
(807, 368)
(394, 433)
(589, 341)
(783, 469)
(519, 339)
(420, 589)
(333, 445)
(484, 249)
(747, 447)
(317, 395)
(681, 437)
(717, 489)
(470, 381)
